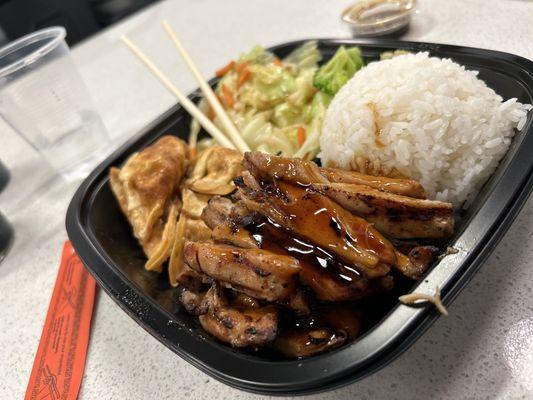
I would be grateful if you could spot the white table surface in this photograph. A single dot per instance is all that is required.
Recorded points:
(484, 349)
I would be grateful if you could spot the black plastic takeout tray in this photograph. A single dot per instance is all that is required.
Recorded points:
(102, 238)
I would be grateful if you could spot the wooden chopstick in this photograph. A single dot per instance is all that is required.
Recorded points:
(184, 101)
(210, 96)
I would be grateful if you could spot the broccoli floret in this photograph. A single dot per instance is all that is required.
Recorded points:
(336, 72)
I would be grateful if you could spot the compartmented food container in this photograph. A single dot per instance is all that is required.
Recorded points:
(102, 237)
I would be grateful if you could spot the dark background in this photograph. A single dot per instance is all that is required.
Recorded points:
(81, 18)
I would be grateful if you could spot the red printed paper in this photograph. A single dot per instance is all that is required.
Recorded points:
(60, 359)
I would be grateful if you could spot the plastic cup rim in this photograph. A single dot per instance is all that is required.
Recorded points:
(56, 33)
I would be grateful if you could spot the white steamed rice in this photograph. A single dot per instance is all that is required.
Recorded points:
(429, 118)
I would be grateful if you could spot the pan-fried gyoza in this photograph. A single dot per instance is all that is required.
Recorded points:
(146, 188)
(275, 252)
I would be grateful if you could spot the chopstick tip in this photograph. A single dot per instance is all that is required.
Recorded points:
(124, 39)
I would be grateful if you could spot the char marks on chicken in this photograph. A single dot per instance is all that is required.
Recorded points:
(272, 251)
(301, 172)
(255, 272)
(237, 323)
(395, 206)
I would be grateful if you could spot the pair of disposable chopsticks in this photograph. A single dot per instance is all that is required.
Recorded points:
(236, 139)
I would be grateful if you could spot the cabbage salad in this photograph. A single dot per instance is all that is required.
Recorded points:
(278, 105)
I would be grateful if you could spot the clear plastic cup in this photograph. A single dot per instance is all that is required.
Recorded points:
(43, 97)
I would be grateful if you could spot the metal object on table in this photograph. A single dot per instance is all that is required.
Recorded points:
(370, 18)
(4, 176)
(6, 237)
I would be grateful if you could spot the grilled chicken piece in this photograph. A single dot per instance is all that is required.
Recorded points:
(191, 293)
(330, 279)
(381, 201)
(327, 287)
(237, 323)
(297, 344)
(298, 214)
(298, 171)
(330, 325)
(314, 217)
(399, 217)
(342, 318)
(217, 211)
(241, 300)
(257, 273)
(299, 303)
(221, 209)
(417, 262)
(220, 216)
(403, 187)
(230, 233)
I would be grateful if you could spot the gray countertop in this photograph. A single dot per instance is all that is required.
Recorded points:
(484, 349)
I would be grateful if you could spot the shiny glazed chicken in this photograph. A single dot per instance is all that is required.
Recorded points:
(271, 251)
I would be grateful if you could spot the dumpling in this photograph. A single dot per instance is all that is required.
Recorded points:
(189, 227)
(147, 189)
(214, 171)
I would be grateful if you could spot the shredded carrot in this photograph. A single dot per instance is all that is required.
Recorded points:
(277, 61)
(239, 67)
(193, 152)
(211, 113)
(221, 100)
(228, 97)
(243, 77)
(224, 70)
(301, 135)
